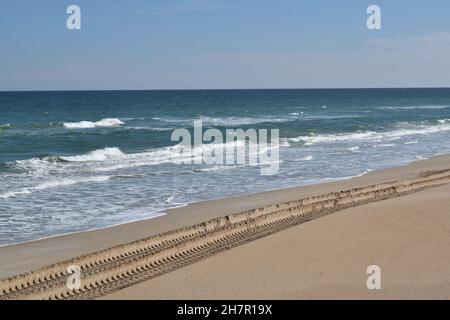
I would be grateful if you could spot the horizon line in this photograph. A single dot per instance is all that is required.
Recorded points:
(225, 89)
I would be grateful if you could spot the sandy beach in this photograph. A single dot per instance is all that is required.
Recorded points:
(325, 255)
(187, 150)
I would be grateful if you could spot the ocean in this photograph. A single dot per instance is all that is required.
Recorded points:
(76, 161)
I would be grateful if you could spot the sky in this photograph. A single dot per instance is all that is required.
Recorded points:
(223, 44)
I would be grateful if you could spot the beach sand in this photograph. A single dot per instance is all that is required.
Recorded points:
(408, 237)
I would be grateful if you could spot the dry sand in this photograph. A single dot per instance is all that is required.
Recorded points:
(408, 237)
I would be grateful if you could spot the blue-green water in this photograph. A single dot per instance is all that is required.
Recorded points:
(73, 161)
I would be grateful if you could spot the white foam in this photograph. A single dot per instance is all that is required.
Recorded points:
(384, 145)
(54, 184)
(110, 122)
(407, 130)
(326, 138)
(307, 158)
(97, 155)
(14, 193)
(169, 199)
(284, 143)
(217, 168)
(173, 154)
(423, 107)
(35, 165)
(228, 121)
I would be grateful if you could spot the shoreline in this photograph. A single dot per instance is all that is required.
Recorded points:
(29, 256)
(186, 215)
(158, 214)
(163, 213)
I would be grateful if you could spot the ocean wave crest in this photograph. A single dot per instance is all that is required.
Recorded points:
(113, 159)
(109, 122)
(407, 129)
(96, 155)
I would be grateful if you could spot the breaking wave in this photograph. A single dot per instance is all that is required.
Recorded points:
(97, 155)
(113, 159)
(110, 122)
(407, 130)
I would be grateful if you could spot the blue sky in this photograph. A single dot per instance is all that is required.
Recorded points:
(171, 44)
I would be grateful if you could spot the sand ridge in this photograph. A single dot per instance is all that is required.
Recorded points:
(121, 266)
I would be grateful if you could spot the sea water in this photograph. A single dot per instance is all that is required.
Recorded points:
(75, 161)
